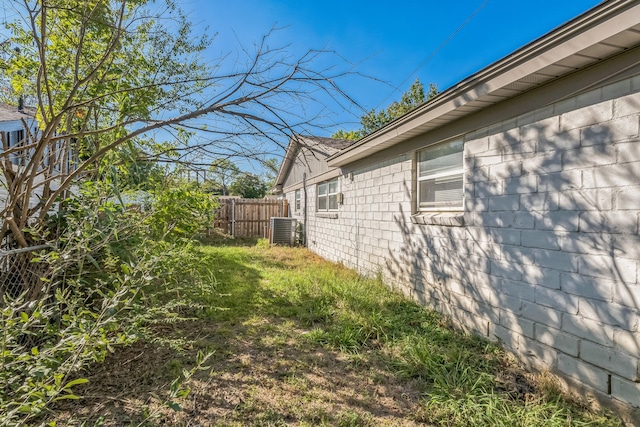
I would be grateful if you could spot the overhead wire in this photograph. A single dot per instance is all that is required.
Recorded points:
(433, 53)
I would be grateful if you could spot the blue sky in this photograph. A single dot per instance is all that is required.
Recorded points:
(389, 40)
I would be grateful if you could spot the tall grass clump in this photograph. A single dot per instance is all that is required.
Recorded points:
(461, 374)
(109, 270)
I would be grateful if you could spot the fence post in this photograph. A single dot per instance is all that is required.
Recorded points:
(233, 217)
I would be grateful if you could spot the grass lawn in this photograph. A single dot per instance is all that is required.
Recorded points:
(297, 340)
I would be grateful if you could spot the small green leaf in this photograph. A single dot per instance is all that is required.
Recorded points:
(76, 382)
(66, 397)
(24, 316)
(175, 406)
(34, 351)
(93, 261)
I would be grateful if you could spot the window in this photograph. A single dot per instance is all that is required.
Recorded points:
(440, 177)
(15, 139)
(297, 200)
(327, 195)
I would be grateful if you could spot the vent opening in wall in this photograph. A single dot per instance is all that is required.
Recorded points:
(282, 231)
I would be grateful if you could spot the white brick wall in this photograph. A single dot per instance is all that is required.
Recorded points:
(549, 258)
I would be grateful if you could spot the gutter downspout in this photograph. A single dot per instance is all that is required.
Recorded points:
(304, 211)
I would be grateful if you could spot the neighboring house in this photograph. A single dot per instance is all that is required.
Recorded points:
(13, 130)
(510, 202)
(18, 127)
(15, 125)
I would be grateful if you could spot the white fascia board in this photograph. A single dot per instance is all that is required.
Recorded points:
(330, 174)
(549, 50)
(287, 160)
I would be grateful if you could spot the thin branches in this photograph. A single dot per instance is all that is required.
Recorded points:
(107, 74)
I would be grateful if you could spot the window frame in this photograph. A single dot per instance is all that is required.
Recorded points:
(297, 200)
(457, 171)
(15, 138)
(328, 195)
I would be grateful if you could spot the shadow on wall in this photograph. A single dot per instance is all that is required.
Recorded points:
(548, 259)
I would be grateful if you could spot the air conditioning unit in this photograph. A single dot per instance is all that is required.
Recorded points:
(282, 231)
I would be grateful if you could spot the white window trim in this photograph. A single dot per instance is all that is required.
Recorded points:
(15, 138)
(336, 193)
(459, 171)
(297, 200)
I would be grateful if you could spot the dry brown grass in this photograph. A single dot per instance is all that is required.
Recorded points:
(305, 342)
(259, 374)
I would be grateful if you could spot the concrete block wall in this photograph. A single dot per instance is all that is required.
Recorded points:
(548, 259)
(365, 222)
(558, 192)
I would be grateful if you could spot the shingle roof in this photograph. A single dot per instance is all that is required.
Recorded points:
(321, 145)
(10, 113)
(335, 143)
(325, 147)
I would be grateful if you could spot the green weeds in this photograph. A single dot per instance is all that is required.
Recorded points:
(364, 320)
(299, 340)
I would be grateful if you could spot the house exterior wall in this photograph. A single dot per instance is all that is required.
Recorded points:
(309, 161)
(548, 258)
(9, 126)
(12, 126)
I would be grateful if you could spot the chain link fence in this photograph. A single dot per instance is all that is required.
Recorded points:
(19, 274)
(21, 279)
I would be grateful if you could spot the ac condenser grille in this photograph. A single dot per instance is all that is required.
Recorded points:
(282, 231)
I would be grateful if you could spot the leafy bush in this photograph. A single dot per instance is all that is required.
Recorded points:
(45, 345)
(181, 211)
(111, 270)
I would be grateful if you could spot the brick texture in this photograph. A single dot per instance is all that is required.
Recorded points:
(548, 258)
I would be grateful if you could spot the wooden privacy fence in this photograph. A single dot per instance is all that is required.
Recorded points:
(248, 217)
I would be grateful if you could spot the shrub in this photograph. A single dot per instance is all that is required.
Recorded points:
(110, 270)
(182, 211)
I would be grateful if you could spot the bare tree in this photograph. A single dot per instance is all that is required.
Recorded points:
(103, 74)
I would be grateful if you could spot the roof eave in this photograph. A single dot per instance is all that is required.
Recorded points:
(603, 21)
(289, 156)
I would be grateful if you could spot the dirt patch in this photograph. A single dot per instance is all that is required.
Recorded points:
(520, 385)
(252, 378)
